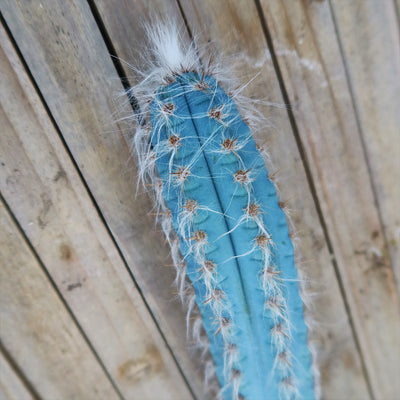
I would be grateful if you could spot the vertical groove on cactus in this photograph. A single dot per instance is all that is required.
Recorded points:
(228, 234)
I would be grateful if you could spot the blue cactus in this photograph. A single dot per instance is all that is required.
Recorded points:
(234, 240)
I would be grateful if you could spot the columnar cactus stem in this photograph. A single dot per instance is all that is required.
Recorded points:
(213, 189)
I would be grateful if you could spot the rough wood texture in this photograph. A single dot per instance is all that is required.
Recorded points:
(37, 329)
(314, 76)
(11, 386)
(374, 78)
(52, 206)
(341, 375)
(78, 81)
(339, 64)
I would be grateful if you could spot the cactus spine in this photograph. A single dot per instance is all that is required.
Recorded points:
(228, 235)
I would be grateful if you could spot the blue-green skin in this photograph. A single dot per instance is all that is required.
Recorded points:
(212, 184)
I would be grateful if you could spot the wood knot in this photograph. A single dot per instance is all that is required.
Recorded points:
(65, 252)
(135, 370)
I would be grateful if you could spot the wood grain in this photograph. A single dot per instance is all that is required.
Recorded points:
(11, 386)
(234, 29)
(314, 76)
(71, 185)
(39, 181)
(369, 34)
(37, 329)
(71, 65)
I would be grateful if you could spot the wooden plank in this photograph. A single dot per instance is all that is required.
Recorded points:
(233, 28)
(139, 13)
(37, 330)
(44, 191)
(369, 34)
(309, 58)
(11, 386)
(70, 63)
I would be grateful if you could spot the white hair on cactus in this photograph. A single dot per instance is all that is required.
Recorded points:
(169, 53)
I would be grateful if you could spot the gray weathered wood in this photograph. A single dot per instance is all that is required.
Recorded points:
(369, 33)
(71, 64)
(39, 181)
(345, 109)
(37, 329)
(11, 386)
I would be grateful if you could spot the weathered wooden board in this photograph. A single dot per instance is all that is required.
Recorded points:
(339, 64)
(45, 193)
(234, 29)
(369, 34)
(37, 329)
(69, 61)
(313, 73)
(11, 386)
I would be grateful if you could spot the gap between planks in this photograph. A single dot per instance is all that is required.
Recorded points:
(123, 227)
(60, 296)
(12, 366)
(359, 127)
(135, 107)
(101, 216)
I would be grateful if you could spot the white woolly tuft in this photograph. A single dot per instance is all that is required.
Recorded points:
(169, 54)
